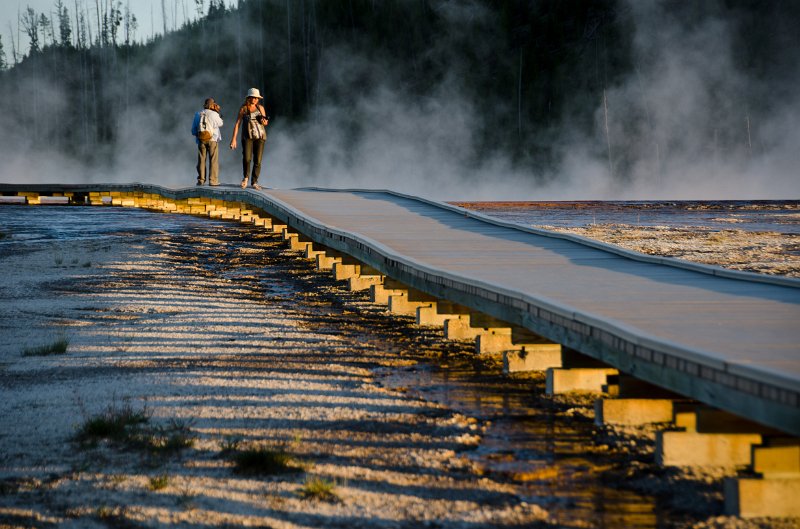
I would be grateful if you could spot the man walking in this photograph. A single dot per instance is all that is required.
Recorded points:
(205, 128)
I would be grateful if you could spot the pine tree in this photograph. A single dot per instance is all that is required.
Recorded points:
(46, 29)
(115, 19)
(131, 24)
(3, 63)
(64, 26)
(30, 24)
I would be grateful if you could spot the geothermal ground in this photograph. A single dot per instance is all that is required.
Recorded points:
(765, 252)
(206, 377)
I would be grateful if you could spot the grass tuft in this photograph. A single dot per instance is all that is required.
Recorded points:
(262, 460)
(319, 489)
(168, 440)
(230, 444)
(56, 348)
(126, 426)
(186, 498)
(115, 424)
(158, 482)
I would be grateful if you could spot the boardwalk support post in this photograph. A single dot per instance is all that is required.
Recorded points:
(775, 487)
(632, 412)
(588, 379)
(692, 449)
(435, 314)
(407, 303)
(757, 498)
(364, 282)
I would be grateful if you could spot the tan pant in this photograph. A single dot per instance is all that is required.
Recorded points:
(207, 150)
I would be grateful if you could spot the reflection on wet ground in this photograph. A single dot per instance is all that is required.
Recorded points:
(549, 451)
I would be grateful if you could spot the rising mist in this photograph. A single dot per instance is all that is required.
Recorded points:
(447, 99)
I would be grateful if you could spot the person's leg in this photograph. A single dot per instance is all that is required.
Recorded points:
(213, 150)
(247, 155)
(201, 163)
(258, 149)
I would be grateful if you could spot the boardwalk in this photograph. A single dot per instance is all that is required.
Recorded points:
(728, 339)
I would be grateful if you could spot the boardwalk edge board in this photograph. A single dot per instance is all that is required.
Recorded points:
(770, 395)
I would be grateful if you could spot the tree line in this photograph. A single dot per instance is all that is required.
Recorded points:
(529, 67)
(100, 23)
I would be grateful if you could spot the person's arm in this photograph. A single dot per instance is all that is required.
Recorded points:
(264, 118)
(236, 130)
(195, 123)
(216, 117)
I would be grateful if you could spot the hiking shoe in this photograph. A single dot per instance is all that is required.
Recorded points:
(257, 187)
(244, 183)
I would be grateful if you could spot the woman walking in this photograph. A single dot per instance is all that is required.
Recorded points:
(254, 134)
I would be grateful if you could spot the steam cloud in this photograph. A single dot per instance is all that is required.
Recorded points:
(685, 124)
(688, 115)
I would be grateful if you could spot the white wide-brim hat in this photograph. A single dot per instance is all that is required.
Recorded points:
(253, 92)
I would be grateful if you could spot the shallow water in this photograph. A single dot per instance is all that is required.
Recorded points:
(776, 216)
(31, 224)
(551, 458)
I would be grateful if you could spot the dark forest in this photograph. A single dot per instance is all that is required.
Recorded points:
(514, 87)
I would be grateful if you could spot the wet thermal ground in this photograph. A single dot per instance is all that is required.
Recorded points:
(549, 450)
(781, 216)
